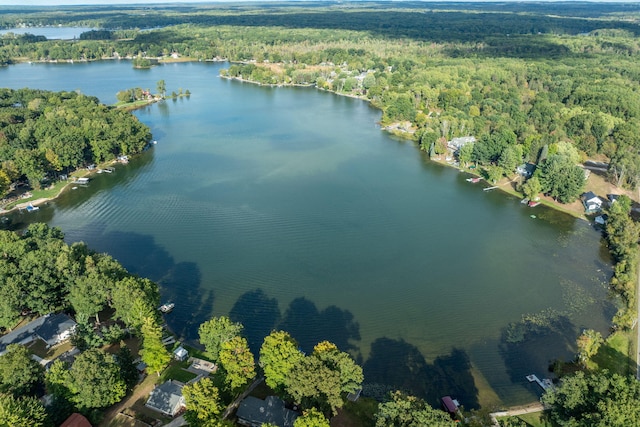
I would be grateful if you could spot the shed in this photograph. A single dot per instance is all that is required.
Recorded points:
(167, 398)
(255, 412)
(450, 405)
(180, 354)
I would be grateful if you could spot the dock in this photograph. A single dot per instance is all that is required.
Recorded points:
(490, 188)
(545, 383)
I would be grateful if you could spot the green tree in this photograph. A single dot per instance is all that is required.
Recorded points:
(162, 87)
(532, 188)
(311, 418)
(278, 354)
(213, 333)
(237, 361)
(594, 399)
(153, 352)
(19, 373)
(128, 370)
(409, 411)
(561, 178)
(25, 411)
(589, 343)
(465, 154)
(96, 380)
(320, 379)
(202, 400)
(88, 296)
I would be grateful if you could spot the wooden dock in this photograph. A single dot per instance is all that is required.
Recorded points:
(545, 383)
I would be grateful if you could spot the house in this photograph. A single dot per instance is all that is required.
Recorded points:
(51, 328)
(591, 202)
(180, 354)
(76, 420)
(526, 170)
(167, 398)
(456, 143)
(255, 412)
(55, 329)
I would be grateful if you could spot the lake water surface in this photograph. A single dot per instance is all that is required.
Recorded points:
(289, 208)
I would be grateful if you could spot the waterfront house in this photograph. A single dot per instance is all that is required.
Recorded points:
(76, 420)
(167, 398)
(591, 202)
(456, 143)
(526, 170)
(53, 329)
(255, 412)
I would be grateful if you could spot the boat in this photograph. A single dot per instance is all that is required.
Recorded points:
(524, 201)
(473, 180)
(167, 307)
(532, 204)
(31, 208)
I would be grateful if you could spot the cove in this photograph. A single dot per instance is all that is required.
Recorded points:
(289, 208)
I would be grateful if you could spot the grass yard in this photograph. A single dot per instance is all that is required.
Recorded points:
(534, 419)
(616, 354)
(39, 348)
(356, 414)
(176, 371)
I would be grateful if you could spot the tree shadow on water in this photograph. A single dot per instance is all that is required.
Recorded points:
(259, 314)
(178, 282)
(398, 365)
(531, 345)
(309, 326)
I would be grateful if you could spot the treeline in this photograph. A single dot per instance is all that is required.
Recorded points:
(622, 234)
(43, 134)
(537, 84)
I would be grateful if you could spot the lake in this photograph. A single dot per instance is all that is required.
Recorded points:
(51, 33)
(289, 208)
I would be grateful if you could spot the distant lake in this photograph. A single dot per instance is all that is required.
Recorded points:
(51, 33)
(289, 208)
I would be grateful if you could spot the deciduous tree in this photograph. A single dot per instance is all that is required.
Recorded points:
(202, 400)
(213, 333)
(237, 361)
(19, 373)
(408, 411)
(278, 355)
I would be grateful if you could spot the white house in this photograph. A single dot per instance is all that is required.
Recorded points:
(591, 202)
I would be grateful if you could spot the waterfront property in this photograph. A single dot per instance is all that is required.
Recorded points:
(53, 329)
(591, 202)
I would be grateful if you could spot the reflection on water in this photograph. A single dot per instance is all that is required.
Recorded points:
(288, 208)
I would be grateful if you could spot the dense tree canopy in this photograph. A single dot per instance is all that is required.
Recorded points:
(43, 133)
(595, 399)
(202, 400)
(409, 411)
(42, 274)
(25, 411)
(19, 373)
(215, 332)
(278, 355)
(95, 380)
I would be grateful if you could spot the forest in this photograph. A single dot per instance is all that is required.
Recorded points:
(44, 134)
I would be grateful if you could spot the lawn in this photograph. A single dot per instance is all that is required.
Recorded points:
(534, 419)
(356, 414)
(176, 371)
(616, 354)
(39, 348)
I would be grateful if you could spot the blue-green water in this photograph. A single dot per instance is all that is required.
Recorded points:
(289, 208)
